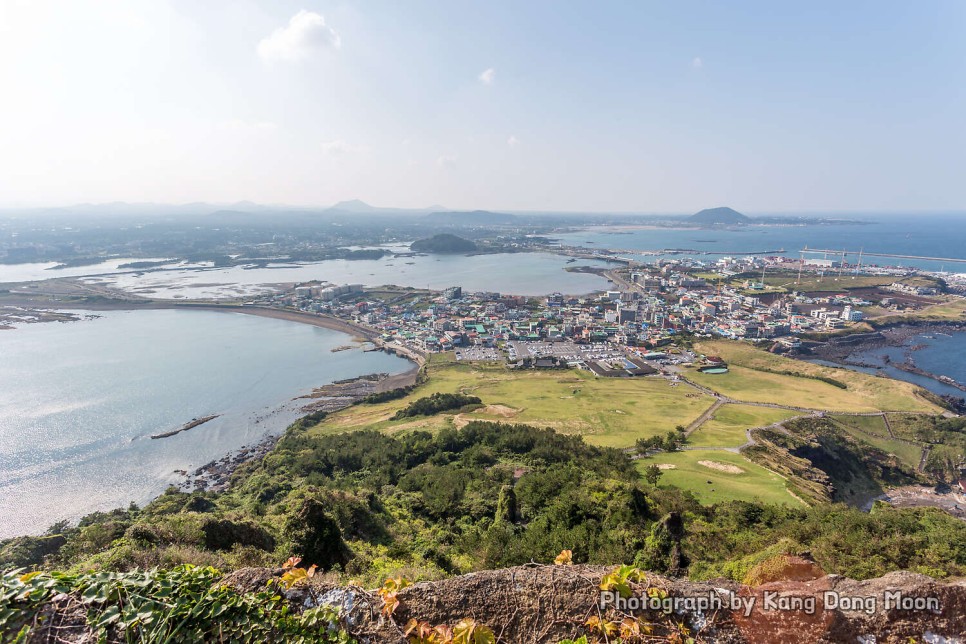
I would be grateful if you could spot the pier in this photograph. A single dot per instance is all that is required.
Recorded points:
(864, 253)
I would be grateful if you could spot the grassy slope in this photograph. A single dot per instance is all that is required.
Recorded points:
(744, 382)
(615, 412)
(755, 483)
(612, 412)
(952, 310)
(727, 427)
(832, 283)
(871, 429)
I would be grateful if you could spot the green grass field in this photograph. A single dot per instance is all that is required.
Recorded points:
(951, 310)
(749, 379)
(615, 412)
(871, 429)
(810, 282)
(727, 427)
(709, 485)
(612, 412)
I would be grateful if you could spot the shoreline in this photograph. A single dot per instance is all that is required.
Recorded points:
(840, 348)
(323, 320)
(846, 352)
(195, 422)
(216, 474)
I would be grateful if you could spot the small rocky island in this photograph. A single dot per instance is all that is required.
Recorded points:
(721, 216)
(443, 243)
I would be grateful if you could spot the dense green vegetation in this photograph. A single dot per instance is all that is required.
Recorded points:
(184, 604)
(434, 404)
(370, 505)
(386, 396)
(672, 442)
(823, 462)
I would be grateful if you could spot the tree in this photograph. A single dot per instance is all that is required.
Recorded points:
(652, 474)
(671, 442)
(314, 535)
(506, 505)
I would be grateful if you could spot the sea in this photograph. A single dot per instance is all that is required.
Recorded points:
(939, 353)
(924, 235)
(79, 402)
(510, 273)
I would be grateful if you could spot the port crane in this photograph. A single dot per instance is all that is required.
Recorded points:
(843, 254)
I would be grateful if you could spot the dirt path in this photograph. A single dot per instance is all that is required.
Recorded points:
(705, 417)
(888, 425)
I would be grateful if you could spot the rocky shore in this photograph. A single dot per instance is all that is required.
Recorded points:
(194, 422)
(343, 393)
(10, 316)
(215, 475)
(848, 350)
(841, 349)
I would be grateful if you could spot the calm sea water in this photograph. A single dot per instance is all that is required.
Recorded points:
(35, 272)
(928, 235)
(512, 273)
(79, 401)
(942, 355)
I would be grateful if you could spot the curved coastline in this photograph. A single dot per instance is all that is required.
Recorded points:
(232, 456)
(321, 320)
(215, 475)
(846, 351)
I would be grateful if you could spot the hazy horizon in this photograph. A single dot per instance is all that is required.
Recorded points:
(384, 209)
(536, 107)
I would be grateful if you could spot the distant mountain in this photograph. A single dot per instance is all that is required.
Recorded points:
(722, 215)
(473, 218)
(359, 206)
(443, 243)
(354, 205)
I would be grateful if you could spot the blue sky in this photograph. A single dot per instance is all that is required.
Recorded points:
(635, 106)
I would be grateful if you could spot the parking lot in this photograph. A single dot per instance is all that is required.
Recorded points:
(567, 351)
(478, 353)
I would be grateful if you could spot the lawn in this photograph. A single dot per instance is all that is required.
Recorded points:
(952, 310)
(611, 412)
(812, 282)
(832, 282)
(727, 427)
(750, 379)
(871, 429)
(754, 483)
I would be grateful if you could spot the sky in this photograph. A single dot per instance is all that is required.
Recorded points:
(538, 105)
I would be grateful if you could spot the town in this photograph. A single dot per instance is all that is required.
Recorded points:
(642, 323)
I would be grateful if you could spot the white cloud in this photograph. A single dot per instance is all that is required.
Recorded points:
(306, 32)
(513, 141)
(339, 147)
(446, 161)
(697, 63)
(487, 76)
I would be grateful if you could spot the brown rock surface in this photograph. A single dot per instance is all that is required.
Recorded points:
(546, 604)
